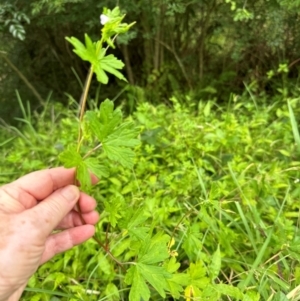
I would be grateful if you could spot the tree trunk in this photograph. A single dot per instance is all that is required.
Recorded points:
(148, 50)
(156, 58)
(128, 64)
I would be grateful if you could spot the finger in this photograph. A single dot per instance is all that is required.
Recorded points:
(50, 212)
(25, 192)
(86, 203)
(42, 183)
(38, 185)
(87, 207)
(73, 219)
(65, 240)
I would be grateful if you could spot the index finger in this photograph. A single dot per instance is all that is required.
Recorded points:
(42, 183)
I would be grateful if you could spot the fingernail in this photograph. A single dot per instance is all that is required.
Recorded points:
(70, 192)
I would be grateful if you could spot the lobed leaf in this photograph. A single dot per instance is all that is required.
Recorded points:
(155, 275)
(139, 289)
(95, 54)
(70, 158)
(98, 169)
(155, 249)
(122, 155)
(117, 145)
(109, 118)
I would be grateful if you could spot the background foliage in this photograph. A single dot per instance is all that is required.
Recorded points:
(223, 183)
(209, 48)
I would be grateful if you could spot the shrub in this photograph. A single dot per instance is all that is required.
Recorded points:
(215, 188)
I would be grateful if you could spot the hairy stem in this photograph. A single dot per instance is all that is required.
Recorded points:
(92, 150)
(83, 101)
(106, 249)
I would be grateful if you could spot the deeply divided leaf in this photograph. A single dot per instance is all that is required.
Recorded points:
(109, 64)
(156, 276)
(139, 289)
(96, 56)
(155, 250)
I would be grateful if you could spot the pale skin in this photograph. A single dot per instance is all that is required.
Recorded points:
(31, 208)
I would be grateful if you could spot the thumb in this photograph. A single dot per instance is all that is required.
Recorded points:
(50, 212)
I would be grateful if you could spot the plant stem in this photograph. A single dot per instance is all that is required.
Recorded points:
(92, 150)
(83, 101)
(106, 249)
(84, 95)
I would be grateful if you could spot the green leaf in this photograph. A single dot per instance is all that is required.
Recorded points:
(155, 250)
(176, 283)
(98, 169)
(172, 265)
(155, 275)
(251, 296)
(109, 64)
(95, 54)
(139, 274)
(229, 290)
(109, 118)
(105, 124)
(197, 275)
(139, 289)
(124, 156)
(192, 242)
(215, 266)
(124, 135)
(92, 125)
(113, 209)
(70, 158)
(112, 292)
(116, 140)
(83, 176)
(132, 222)
(117, 145)
(55, 278)
(86, 53)
(294, 125)
(113, 25)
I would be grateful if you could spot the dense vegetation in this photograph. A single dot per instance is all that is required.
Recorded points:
(211, 178)
(210, 209)
(208, 48)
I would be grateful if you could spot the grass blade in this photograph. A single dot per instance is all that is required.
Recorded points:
(294, 125)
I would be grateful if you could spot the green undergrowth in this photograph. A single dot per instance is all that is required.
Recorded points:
(210, 208)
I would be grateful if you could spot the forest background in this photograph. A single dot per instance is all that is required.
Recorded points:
(214, 87)
(196, 49)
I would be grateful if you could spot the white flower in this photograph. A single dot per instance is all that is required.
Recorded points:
(104, 19)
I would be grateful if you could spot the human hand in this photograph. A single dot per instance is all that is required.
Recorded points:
(30, 209)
